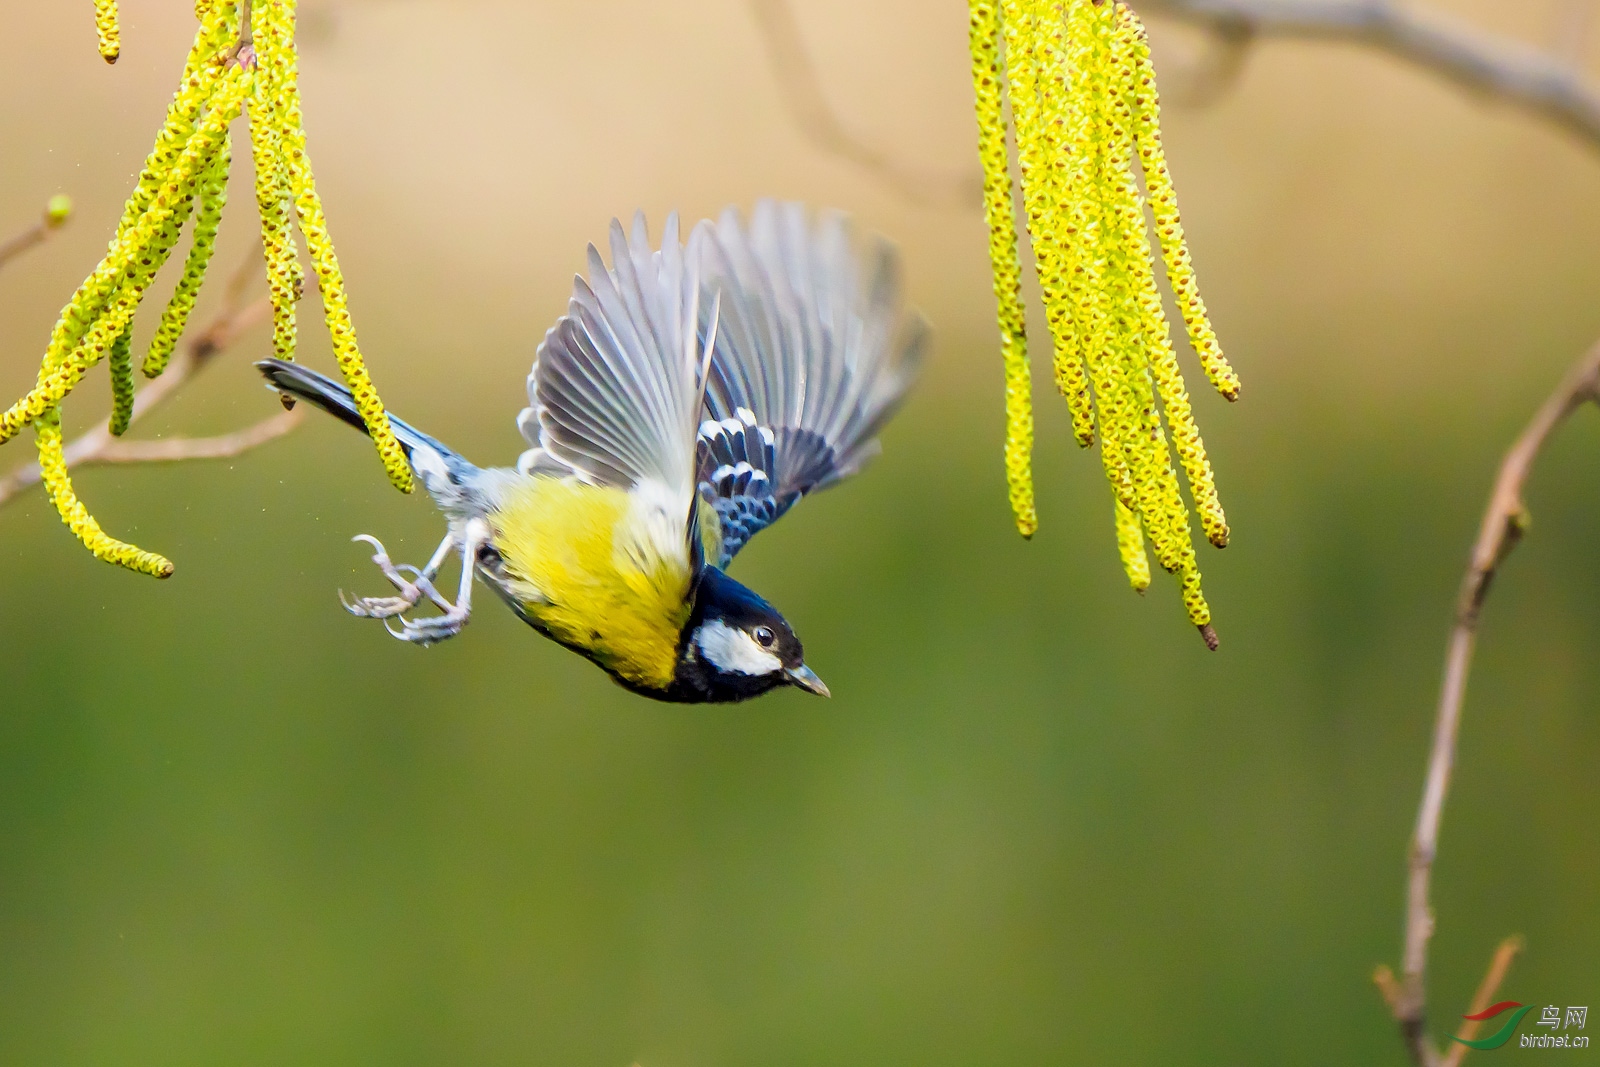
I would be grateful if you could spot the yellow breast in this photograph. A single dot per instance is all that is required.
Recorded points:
(601, 570)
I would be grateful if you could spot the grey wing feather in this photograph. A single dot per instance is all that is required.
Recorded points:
(614, 397)
(813, 353)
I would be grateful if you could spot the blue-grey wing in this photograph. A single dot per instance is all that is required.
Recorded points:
(813, 353)
(616, 393)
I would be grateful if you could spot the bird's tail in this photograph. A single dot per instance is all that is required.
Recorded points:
(303, 383)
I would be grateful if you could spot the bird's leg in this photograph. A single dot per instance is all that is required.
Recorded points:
(411, 591)
(435, 628)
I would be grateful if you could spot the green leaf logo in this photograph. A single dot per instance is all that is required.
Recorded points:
(1501, 1036)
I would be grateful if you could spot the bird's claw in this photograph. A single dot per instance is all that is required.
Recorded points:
(430, 630)
(412, 589)
(385, 607)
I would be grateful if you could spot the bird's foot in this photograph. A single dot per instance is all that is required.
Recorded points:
(411, 590)
(431, 629)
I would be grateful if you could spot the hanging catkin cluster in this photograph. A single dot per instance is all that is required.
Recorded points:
(240, 62)
(1082, 95)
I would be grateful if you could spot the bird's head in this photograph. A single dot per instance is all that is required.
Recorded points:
(736, 645)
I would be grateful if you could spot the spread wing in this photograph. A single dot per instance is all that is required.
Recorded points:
(813, 353)
(616, 390)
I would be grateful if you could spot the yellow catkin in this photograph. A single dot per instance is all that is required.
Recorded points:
(314, 225)
(1164, 206)
(118, 284)
(1084, 108)
(1130, 545)
(1144, 447)
(1046, 83)
(275, 20)
(189, 162)
(1164, 513)
(1020, 32)
(120, 363)
(1160, 501)
(1180, 418)
(272, 187)
(1161, 504)
(110, 34)
(1154, 329)
(1077, 215)
(985, 33)
(1129, 395)
(1179, 415)
(213, 192)
(53, 468)
(1088, 281)
(199, 81)
(150, 236)
(202, 72)
(1113, 399)
(183, 189)
(1194, 602)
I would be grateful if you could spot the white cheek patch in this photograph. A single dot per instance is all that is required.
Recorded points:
(734, 651)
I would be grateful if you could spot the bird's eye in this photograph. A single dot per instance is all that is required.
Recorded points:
(764, 636)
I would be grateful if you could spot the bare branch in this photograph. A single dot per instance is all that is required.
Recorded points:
(802, 91)
(222, 446)
(1215, 70)
(98, 446)
(1504, 524)
(1493, 67)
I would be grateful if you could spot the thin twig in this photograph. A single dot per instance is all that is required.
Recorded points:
(803, 93)
(1394, 996)
(222, 446)
(1504, 524)
(1494, 67)
(1508, 951)
(1215, 70)
(243, 51)
(56, 214)
(97, 446)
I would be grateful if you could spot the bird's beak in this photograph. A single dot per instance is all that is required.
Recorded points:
(807, 679)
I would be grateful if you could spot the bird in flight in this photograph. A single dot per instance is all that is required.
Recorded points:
(691, 395)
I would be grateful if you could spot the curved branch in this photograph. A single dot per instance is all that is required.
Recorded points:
(1504, 523)
(221, 446)
(803, 93)
(1213, 72)
(1496, 68)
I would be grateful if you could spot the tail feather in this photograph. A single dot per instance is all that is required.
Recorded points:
(303, 383)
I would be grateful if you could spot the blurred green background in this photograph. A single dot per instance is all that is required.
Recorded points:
(1038, 822)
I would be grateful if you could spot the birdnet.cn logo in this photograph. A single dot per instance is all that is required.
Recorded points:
(1560, 1025)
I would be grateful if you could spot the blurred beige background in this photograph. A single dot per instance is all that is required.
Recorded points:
(1038, 823)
